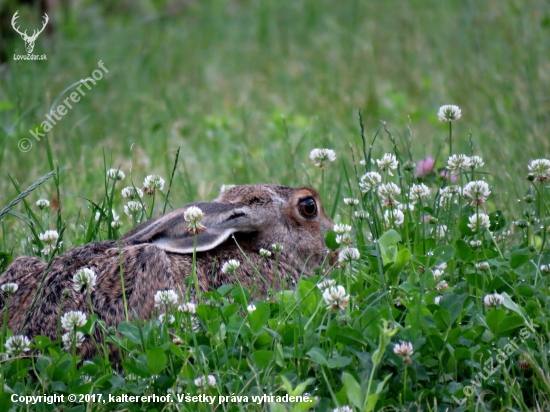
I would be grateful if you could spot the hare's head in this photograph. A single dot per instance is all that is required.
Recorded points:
(258, 215)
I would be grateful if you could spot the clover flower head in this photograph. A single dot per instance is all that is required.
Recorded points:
(84, 279)
(441, 285)
(475, 244)
(188, 307)
(388, 192)
(448, 113)
(361, 214)
(344, 239)
(251, 308)
(406, 206)
(17, 344)
(458, 162)
(42, 203)
(540, 170)
(168, 319)
(265, 253)
(440, 231)
(205, 381)
(437, 299)
(321, 157)
(388, 162)
(493, 300)
(132, 208)
(73, 319)
(478, 191)
(336, 298)
(72, 339)
(193, 216)
(437, 274)
(403, 349)
(351, 201)
(419, 191)
(424, 167)
(277, 247)
(483, 266)
(369, 181)
(481, 220)
(115, 174)
(394, 216)
(348, 254)
(49, 237)
(231, 266)
(341, 228)
(152, 183)
(166, 297)
(325, 284)
(132, 193)
(476, 162)
(545, 269)
(9, 288)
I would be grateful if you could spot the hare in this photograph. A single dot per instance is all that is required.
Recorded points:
(157, 255)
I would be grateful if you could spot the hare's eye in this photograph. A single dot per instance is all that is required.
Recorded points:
(308, 207)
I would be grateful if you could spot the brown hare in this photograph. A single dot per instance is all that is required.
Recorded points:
(157, 255)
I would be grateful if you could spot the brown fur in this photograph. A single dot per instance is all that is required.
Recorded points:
(263, 215)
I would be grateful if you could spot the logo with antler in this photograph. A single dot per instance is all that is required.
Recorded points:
(29, 40)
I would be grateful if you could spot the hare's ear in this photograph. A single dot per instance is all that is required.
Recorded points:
(170, 232)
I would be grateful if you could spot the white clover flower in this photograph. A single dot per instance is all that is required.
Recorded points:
(321, 157)
(369, 181)
(166, 297)
(49, 237)
(48, 249)
(388, 162)
(437, 274)
(153, 182)
(265, 253)
(116, 224)
(71, 339)
(132, 208)
(481, 220)
(17, 344)
(335, 297)
(251, 308)
(419, 191)
(404, 206)
(437, 300)
(458, 162)
(342, 228)
(42, 203)
(325, 284)
(493, 300)
(9, 288)
(545, 268)
(188, 307)
(388, 192)
(475, 244)
(348, 254)
(344, 239)
(277, 247)
(440, 231)
(483, 266)
(441, 285)
(363, 162)
(193, 216)
(350, 201)
(476, 162)
(73, 319)
(170, 319)
(478, 191)
(361, 214)
(225, 188)
(344, 408)
(394, 216)
(115, 174)
(231, 266)
(132, 193)
(84, 279)
(540, 170)
(403, 349)
(449, 113)
(205, 381)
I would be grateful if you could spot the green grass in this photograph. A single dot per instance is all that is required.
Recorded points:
(246, 89)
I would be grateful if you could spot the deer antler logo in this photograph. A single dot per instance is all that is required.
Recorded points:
(29, 40)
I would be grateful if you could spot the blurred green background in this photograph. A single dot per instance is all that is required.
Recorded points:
(247, 88)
